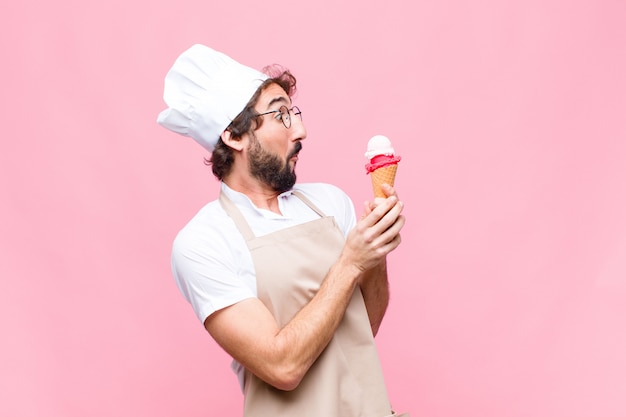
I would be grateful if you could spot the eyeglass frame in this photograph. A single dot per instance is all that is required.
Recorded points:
(296, 112)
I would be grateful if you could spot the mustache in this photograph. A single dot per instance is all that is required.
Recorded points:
(296, 150)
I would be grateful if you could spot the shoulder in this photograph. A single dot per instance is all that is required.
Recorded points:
(208, 232)
(210, 262)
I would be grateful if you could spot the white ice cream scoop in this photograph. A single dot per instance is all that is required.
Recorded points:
(379, 145)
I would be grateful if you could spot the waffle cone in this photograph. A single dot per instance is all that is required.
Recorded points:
(384, 175)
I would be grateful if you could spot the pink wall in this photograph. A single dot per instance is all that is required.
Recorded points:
(509, 292)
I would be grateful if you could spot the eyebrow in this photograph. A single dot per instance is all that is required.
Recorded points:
(279, 99)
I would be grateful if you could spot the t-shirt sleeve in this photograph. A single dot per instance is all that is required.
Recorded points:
(205, 268)
(349, 214)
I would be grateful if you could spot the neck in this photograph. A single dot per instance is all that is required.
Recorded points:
(261, 195)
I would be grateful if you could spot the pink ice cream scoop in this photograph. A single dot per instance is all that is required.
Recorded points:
(383, 163)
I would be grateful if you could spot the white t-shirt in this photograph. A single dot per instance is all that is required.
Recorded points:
(210, 260)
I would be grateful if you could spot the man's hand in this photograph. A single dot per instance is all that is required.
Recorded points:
(371, 205)
(377, 233)
(373, 282)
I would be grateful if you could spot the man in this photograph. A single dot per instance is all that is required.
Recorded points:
(281, 274)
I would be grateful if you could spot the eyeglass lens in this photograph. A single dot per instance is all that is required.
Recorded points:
(286, 115)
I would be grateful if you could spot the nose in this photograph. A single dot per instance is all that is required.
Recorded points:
(298, 131)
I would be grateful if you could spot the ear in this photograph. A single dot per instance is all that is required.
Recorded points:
(227, 138)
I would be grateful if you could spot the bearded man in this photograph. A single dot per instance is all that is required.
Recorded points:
(282, 275)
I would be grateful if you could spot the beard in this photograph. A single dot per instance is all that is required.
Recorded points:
(270, 169)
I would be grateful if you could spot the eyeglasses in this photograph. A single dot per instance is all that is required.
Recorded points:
(283, 114)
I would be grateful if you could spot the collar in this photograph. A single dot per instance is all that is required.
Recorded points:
(243, 202)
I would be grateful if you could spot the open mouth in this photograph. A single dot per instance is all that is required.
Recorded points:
(294, 154)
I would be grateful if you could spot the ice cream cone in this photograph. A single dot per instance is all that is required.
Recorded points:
(383, 175)
(383, 163)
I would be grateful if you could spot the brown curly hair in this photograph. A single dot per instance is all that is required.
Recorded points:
(248, 120)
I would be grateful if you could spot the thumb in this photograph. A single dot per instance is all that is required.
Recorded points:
(367, 209)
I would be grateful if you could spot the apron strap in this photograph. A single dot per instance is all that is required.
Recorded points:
(237, 217)
(309, 203)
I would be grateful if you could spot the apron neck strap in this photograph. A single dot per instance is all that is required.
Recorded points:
(309, 203)
(241, 222)
(237, 217)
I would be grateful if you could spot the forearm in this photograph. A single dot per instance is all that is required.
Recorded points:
(303, 339)
(282, 356)
(375, 289)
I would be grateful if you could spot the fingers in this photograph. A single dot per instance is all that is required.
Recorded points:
(390, 238)
(371, 205)
(389, 190)
(378, 232)
(388, 207)
(373, 243)
(382, 226)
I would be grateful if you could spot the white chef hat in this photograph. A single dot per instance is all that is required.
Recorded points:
(205, 90)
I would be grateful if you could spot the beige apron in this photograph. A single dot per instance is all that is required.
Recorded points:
(290, 264)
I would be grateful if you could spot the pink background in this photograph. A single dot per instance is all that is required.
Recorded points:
(509, 291)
